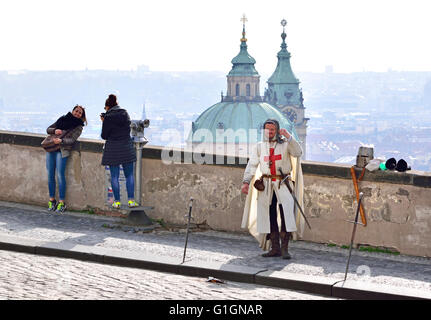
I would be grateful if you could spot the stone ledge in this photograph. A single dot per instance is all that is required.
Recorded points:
(35, 139)
(324, 169)
(412, 177)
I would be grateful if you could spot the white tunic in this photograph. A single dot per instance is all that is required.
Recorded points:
(256, 210)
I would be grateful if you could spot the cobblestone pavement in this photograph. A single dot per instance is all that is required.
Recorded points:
(238, 249)
(26, 276)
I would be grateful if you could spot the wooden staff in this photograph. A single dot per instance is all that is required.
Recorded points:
(355, 184)
(355, 223)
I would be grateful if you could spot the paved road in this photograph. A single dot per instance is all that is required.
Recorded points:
(308, 258)
(26, 276)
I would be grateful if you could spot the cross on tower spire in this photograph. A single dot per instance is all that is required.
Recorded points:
(283, 35)
(283, 23)
(243, 20)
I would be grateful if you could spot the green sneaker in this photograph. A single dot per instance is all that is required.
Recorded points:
(52, 204)
(61, 207)
(116, 205)
(132, 204)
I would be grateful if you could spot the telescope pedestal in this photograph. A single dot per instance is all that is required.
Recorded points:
(138, 216)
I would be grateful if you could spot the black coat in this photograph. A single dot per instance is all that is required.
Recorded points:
(119, 148)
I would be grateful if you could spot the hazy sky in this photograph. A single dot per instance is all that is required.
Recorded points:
(202, 35)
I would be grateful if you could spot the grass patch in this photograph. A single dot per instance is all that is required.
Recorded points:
(88, 211)
(159, 221)
(366, 248)
(380, 250)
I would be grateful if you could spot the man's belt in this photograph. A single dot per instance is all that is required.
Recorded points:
(272, 176)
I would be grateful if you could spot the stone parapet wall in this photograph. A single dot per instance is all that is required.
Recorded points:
(397, 205)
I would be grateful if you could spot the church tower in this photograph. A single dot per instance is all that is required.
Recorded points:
(235, 124)
(283, 92)
(243, 79)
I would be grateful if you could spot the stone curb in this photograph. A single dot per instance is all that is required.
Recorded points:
(317, 285)
(366, 291)
(311, 284)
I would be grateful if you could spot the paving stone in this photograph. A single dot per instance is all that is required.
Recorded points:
(211, 248)
(33, 277)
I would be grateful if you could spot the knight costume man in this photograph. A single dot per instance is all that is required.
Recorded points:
(264, 208)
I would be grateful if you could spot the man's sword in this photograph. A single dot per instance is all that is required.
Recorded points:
(286, 182)
(188, 227)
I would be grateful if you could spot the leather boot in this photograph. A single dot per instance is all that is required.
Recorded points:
(284, 236)
(275, 246)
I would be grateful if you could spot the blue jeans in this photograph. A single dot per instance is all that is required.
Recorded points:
(55, 163)
(130, 180)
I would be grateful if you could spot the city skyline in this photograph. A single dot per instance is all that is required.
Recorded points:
(388, 110)
(200, 35)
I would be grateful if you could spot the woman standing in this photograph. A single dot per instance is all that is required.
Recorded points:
(119, 149)
(67, 128)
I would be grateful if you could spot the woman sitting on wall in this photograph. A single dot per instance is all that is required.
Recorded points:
(119, 149)
(67, 130)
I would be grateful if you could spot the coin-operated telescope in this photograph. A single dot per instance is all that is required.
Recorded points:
(137, 132)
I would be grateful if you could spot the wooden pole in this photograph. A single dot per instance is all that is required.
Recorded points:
(355, 184)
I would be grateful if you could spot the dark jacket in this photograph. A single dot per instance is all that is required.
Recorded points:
(68, 141)
(119, 148)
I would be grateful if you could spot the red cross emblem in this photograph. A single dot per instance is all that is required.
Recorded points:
(272, 158)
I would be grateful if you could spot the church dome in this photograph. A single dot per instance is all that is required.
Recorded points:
(238, 117)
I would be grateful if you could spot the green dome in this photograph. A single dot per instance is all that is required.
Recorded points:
(224, 116)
